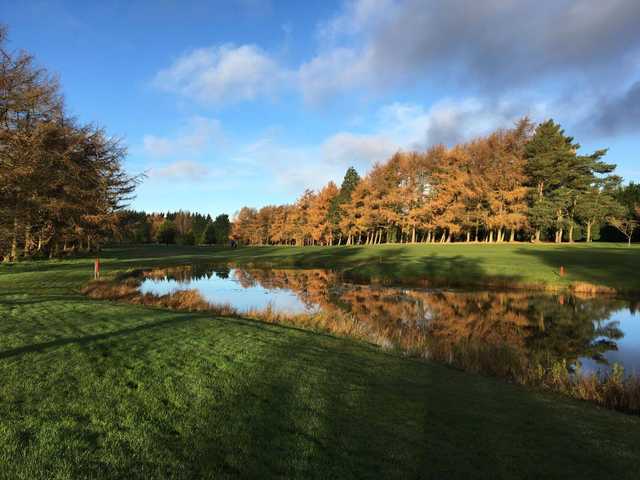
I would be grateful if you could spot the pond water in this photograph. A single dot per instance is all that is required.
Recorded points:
(479, 327)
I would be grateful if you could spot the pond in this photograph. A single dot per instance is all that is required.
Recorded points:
(485, 330)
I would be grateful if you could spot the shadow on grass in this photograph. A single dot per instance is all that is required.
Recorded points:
(355, 415)
(189, 396)
(611, 266)
(389, 264)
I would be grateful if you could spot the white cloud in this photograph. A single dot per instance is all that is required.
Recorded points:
(223, 74)
(196, 136)
(333, 72)
(181, 170)
(346, 148)
(284, 167)
(355, 17)
(398, 126)
(493, 45)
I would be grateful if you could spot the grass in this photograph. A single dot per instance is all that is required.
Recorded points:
(612, 390)
(98, 389)
(607, 266)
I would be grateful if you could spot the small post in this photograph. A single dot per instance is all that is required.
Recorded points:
(562, 270)
(96, 269)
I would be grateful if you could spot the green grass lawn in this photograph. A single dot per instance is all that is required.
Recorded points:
(610, 265)
(95, 389)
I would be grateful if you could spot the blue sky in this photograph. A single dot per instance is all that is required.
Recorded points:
(227, 104)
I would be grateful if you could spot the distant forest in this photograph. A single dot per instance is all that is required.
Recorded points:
(182, 227)
(63, 189)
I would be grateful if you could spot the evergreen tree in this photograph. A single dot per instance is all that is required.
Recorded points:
(222, 228)
(560, 178)
(209, 235)
(335, 213)
(167, 232)
(549, 156)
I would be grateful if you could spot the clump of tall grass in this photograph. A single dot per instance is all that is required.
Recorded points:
(611, 390)
(128, 290)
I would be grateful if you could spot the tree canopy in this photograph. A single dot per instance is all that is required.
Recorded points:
(61, 182)
(522, 183)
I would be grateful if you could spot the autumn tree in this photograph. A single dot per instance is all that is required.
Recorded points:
(62, 184)
(498, 187)
(320, 225)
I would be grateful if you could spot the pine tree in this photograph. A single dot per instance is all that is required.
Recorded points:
(222, 229)
(209, 235)
(167, 232)
(558, 176)
(336, 212)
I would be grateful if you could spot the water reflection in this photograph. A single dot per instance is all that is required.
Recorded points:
(503, 333)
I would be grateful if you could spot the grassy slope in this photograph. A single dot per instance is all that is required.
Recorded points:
(102, 389)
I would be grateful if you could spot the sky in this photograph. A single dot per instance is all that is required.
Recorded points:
(226, 104)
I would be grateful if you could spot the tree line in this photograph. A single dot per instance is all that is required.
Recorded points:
(182, 227)
(517, 184)
(61, 181)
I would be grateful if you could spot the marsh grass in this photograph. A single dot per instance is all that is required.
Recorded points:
(612, 389)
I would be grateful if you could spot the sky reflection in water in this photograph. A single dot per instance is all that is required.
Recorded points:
(435, 323)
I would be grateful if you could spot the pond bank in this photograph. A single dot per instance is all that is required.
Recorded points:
(588, 268)
(528, 338)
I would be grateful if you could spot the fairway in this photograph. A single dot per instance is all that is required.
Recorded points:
(518, 265)
(96, 389)
(319, 240)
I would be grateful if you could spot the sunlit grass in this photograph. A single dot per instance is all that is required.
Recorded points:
(588, 267)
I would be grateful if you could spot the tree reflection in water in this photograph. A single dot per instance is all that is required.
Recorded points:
(501, 333)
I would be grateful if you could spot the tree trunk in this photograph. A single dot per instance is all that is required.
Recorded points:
(490, 236)
(27, 239)
(413, 235)
(512, 237)
(468, 236)
(14, 240)
(589, 232)
(571, 233)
